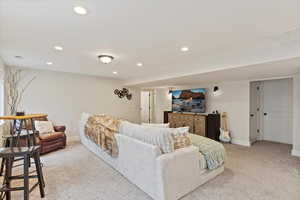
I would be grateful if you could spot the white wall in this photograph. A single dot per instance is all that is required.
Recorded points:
(2, 102)
(162, 102)
(1, 87)
(296, 115)
(145, 104)
(234, 99)
(64, 96)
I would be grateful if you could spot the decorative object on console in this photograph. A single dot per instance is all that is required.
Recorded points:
(20, 113)
(123, 93)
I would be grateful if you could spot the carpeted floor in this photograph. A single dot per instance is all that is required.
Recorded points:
(265, 171)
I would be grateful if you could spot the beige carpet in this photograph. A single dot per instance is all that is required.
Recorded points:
(265, 171)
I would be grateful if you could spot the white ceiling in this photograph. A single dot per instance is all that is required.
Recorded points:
(263, 71)
(220, 34)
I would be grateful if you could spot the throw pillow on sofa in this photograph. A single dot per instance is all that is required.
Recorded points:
(181, 137)
(44, 127)
(160, 137)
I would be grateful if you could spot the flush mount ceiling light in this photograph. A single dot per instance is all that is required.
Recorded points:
(184, 49)
(115, 72)
(106, 59)
(58, 48)
(49, 63)
(139, 64)
(80, 10)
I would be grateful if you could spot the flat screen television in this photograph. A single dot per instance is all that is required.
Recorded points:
(192, 100)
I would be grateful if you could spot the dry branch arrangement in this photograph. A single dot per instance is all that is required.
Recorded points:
(16, 86)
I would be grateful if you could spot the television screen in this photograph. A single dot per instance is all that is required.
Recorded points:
(192, 100)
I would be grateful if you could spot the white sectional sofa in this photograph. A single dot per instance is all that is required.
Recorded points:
(162, 176)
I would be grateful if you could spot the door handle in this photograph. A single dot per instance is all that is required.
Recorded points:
(251, 115)
(265, 114)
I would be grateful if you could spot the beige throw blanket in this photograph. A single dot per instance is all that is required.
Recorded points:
(214, 152)
(101, 130)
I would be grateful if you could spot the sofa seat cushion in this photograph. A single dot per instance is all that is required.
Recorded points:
(51, 136)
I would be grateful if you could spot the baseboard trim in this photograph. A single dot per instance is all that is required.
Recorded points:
(296, 152)
(241, 142)
(73, 138)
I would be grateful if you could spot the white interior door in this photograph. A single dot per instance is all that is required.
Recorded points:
(278, 97)
(255, 111)
(146, 108)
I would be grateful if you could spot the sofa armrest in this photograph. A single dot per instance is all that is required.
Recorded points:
(136, 161)
(136, 152)
(177, 172)
(59, 128)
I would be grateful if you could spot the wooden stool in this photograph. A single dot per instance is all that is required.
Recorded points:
(14, 151)
(24, 153)
(17, 135)
(10, 141)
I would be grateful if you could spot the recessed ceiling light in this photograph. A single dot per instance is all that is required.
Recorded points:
(106, 59)
(80, 10)
(115, 72)
(58, 48)
(184, 49)
(139, 64)
(49, 63)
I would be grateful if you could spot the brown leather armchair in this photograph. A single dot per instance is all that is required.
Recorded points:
(52, 141)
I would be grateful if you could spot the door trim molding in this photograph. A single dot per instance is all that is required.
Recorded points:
(261, 112)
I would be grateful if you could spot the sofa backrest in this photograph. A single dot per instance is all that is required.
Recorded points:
(160, 137)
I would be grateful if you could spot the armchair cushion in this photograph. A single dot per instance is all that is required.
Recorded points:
(51, 136)
(44, 126)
